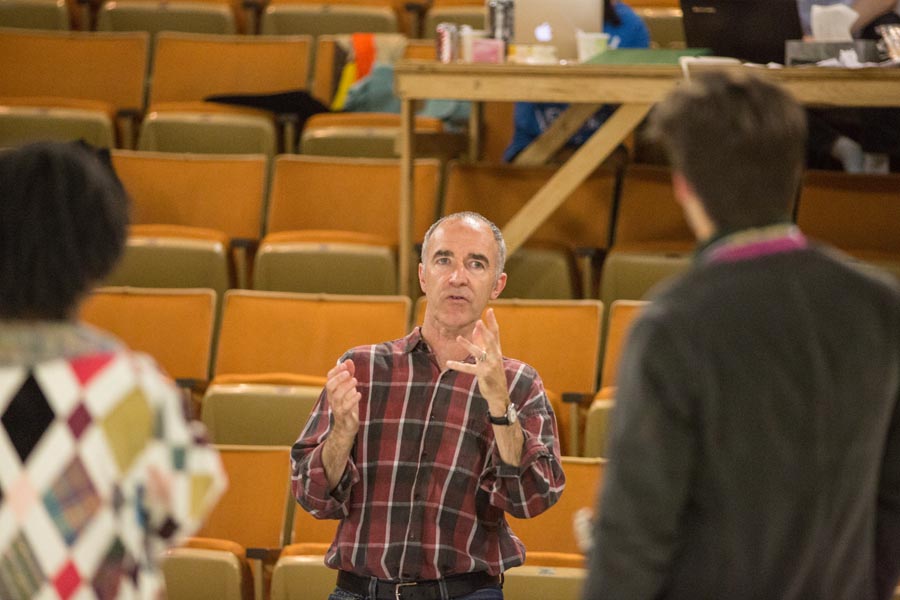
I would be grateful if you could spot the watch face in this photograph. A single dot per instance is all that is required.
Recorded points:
(511, 414)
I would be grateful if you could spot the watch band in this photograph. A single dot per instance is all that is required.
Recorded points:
(504, 420)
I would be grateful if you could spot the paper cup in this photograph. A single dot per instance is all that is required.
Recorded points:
(466, 35)
(590, 44)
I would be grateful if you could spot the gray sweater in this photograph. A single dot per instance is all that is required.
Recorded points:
(756, 437)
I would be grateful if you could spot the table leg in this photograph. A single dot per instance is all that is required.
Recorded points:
(570, 175)
(476, 121)
(407, 155)
(555, 137)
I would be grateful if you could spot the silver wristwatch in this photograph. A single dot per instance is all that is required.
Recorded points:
(508, 419)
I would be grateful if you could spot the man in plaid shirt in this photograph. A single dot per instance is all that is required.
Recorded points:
(420, 445)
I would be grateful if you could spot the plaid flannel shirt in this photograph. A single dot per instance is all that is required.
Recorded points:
(424, 492)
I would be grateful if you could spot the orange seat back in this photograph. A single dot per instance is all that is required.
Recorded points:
(277, 332)
(220, 192)
(175, 326)
(553, 530)
(252, 510)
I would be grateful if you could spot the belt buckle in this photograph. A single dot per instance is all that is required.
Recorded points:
(402, 585)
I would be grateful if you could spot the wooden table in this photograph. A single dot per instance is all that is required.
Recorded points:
(585, 87)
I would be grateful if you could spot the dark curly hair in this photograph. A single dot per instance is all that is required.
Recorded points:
(63, 224)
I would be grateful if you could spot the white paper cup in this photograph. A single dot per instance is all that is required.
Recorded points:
(590, 44)
(466, 35)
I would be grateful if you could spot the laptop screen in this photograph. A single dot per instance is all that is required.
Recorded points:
(555, 22)
(751, 30)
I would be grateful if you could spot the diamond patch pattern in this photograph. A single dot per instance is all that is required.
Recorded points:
(27, 417)
(72, 501)
(20, 575)
(79, 441)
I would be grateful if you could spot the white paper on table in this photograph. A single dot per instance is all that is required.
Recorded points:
(832, 23)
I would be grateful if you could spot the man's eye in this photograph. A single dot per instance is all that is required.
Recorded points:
(477, 264)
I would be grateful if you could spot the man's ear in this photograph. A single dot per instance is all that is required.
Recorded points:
(422, 277)
(694, 212)
(498, 287)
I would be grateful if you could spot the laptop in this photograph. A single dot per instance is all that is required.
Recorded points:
(751, 30)
(554, 23)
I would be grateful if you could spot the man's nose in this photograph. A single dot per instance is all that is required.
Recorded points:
(458, 276)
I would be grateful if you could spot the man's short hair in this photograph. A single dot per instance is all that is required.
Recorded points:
(495, 231)
(63, 224)
(739, 141)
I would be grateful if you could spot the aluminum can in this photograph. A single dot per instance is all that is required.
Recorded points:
(500, 20)
(447, 40)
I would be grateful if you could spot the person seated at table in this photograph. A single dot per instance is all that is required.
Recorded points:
(855, 140)
(531, 119)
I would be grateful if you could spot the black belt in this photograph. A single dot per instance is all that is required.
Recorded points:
(428, 589)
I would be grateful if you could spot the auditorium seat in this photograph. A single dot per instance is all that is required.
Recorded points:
(195, 218)
(545, 266)
(597, 425)
(622, 314)
(207, 568)
(651, 240)
(23, 124)
(174, 256)
(857, 213)
(542, 582)
(552, 530)
(359, 135)
(252, 510)
(208, 133)
(331, 55)
(665, 26)
(304, 334)
(559, 338)
(271, 412)
(333, 224)
(291, 18)
(175, 327)
(308, 535)
(34, 14)
(99, 71)
(370, 134)
(154, 16)
(302, 576)
(189, 68)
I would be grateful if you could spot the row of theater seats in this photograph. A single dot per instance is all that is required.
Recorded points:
(312, 17)
(59, 84)
(254, 368)
(119, 90)
(258, 544)
(268, 352)
(413, 18)
(330, 224)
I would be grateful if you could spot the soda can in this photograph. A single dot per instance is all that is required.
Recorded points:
(447, 40)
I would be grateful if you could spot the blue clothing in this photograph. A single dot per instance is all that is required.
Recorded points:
(533, 118)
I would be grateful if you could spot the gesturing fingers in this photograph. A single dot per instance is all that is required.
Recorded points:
(493, 328)
(344, 397)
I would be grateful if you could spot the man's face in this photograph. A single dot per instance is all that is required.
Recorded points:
(459, 275)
